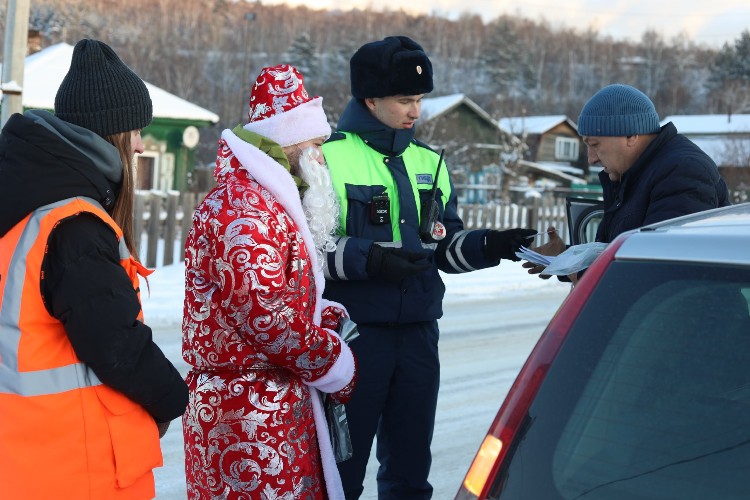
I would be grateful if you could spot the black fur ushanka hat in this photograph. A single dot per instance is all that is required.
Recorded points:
(396, 65)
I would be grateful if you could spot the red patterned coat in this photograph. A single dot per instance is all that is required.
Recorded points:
(250, 333)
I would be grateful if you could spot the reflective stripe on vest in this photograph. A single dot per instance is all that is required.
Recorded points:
(14, 250)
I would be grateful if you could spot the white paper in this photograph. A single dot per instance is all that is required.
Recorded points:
(534, 257)
(574, 259)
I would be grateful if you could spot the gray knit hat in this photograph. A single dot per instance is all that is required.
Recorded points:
(101, 93)
(618, 111)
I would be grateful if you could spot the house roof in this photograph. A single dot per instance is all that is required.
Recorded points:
(713, 146)
(555, 171)
(710, 124)
(44, 72)
(433, 107)
(534, 124)
(724, 150)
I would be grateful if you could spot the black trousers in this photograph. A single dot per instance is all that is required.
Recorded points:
(395, 398)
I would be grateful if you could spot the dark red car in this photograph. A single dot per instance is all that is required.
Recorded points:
(639, 388)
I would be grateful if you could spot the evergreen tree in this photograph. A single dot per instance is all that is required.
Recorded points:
(730, 75)
(303, 56)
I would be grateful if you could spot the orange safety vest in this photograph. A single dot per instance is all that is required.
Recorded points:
(63, 434)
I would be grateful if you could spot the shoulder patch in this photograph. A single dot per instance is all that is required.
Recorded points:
(424, 178)
(336, 136)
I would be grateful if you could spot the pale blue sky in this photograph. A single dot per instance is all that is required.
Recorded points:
(705, 22)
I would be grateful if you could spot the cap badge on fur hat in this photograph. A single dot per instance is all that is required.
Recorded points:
(282, 110)
(419, 70)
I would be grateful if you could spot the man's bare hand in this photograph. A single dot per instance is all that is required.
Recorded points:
(554, 247)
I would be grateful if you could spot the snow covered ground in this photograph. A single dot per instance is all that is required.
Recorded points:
(492, 318)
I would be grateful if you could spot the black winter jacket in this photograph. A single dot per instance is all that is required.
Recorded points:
(672, 177)
(44, 160)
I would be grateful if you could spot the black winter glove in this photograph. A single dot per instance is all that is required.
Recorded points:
(505, 244)
(395, 264)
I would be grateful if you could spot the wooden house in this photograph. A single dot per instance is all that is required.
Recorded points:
(471, 138)
(550, 138)
(473, 144)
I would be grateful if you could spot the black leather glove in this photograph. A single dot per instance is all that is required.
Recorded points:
(395, 264)
(505, 244)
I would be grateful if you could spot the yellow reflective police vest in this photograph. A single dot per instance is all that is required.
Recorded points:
(353, 163)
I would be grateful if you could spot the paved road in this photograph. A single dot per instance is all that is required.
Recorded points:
(482, 346)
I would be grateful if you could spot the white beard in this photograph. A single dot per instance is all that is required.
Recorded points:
(319, 203)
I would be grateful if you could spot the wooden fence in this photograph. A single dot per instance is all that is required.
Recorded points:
(175, 211)
(536, 213)
(170, 228)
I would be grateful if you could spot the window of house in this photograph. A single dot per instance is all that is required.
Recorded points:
(566, 148)
(145, 172)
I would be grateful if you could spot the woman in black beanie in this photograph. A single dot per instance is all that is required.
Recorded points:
(85, 393)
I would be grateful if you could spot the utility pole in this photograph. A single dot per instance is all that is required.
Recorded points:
(14, 53)
(245, 81)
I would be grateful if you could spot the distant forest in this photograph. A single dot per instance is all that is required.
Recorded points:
(208, 52)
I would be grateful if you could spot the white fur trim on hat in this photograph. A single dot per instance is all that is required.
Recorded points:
(302, 123)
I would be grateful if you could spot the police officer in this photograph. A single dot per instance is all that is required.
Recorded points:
(398, 226)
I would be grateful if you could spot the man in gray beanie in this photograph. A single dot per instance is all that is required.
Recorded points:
(396, 232)
(649, 173)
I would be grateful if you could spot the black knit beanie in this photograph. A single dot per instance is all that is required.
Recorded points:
(101, 93)
(396, 65)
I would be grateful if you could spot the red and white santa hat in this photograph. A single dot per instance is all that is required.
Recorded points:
(281, 109)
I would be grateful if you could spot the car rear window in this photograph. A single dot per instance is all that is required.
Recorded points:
(649, 396)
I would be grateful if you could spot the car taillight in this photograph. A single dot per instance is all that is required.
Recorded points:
(482, 465)
(509, 419)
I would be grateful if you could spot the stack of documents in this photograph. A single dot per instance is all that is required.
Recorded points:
(575, 258)
(532, 256)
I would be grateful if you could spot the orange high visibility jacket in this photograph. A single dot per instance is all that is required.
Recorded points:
(63, 434)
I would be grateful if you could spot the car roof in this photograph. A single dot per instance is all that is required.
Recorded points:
(720, 236)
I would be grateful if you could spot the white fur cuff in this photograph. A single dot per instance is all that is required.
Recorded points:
(341, 372)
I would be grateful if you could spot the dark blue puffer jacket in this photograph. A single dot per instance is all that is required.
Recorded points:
(672, 177)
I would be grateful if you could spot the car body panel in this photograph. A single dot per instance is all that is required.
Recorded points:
(721, 235)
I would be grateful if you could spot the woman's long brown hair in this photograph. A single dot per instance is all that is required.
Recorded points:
(122, 212)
